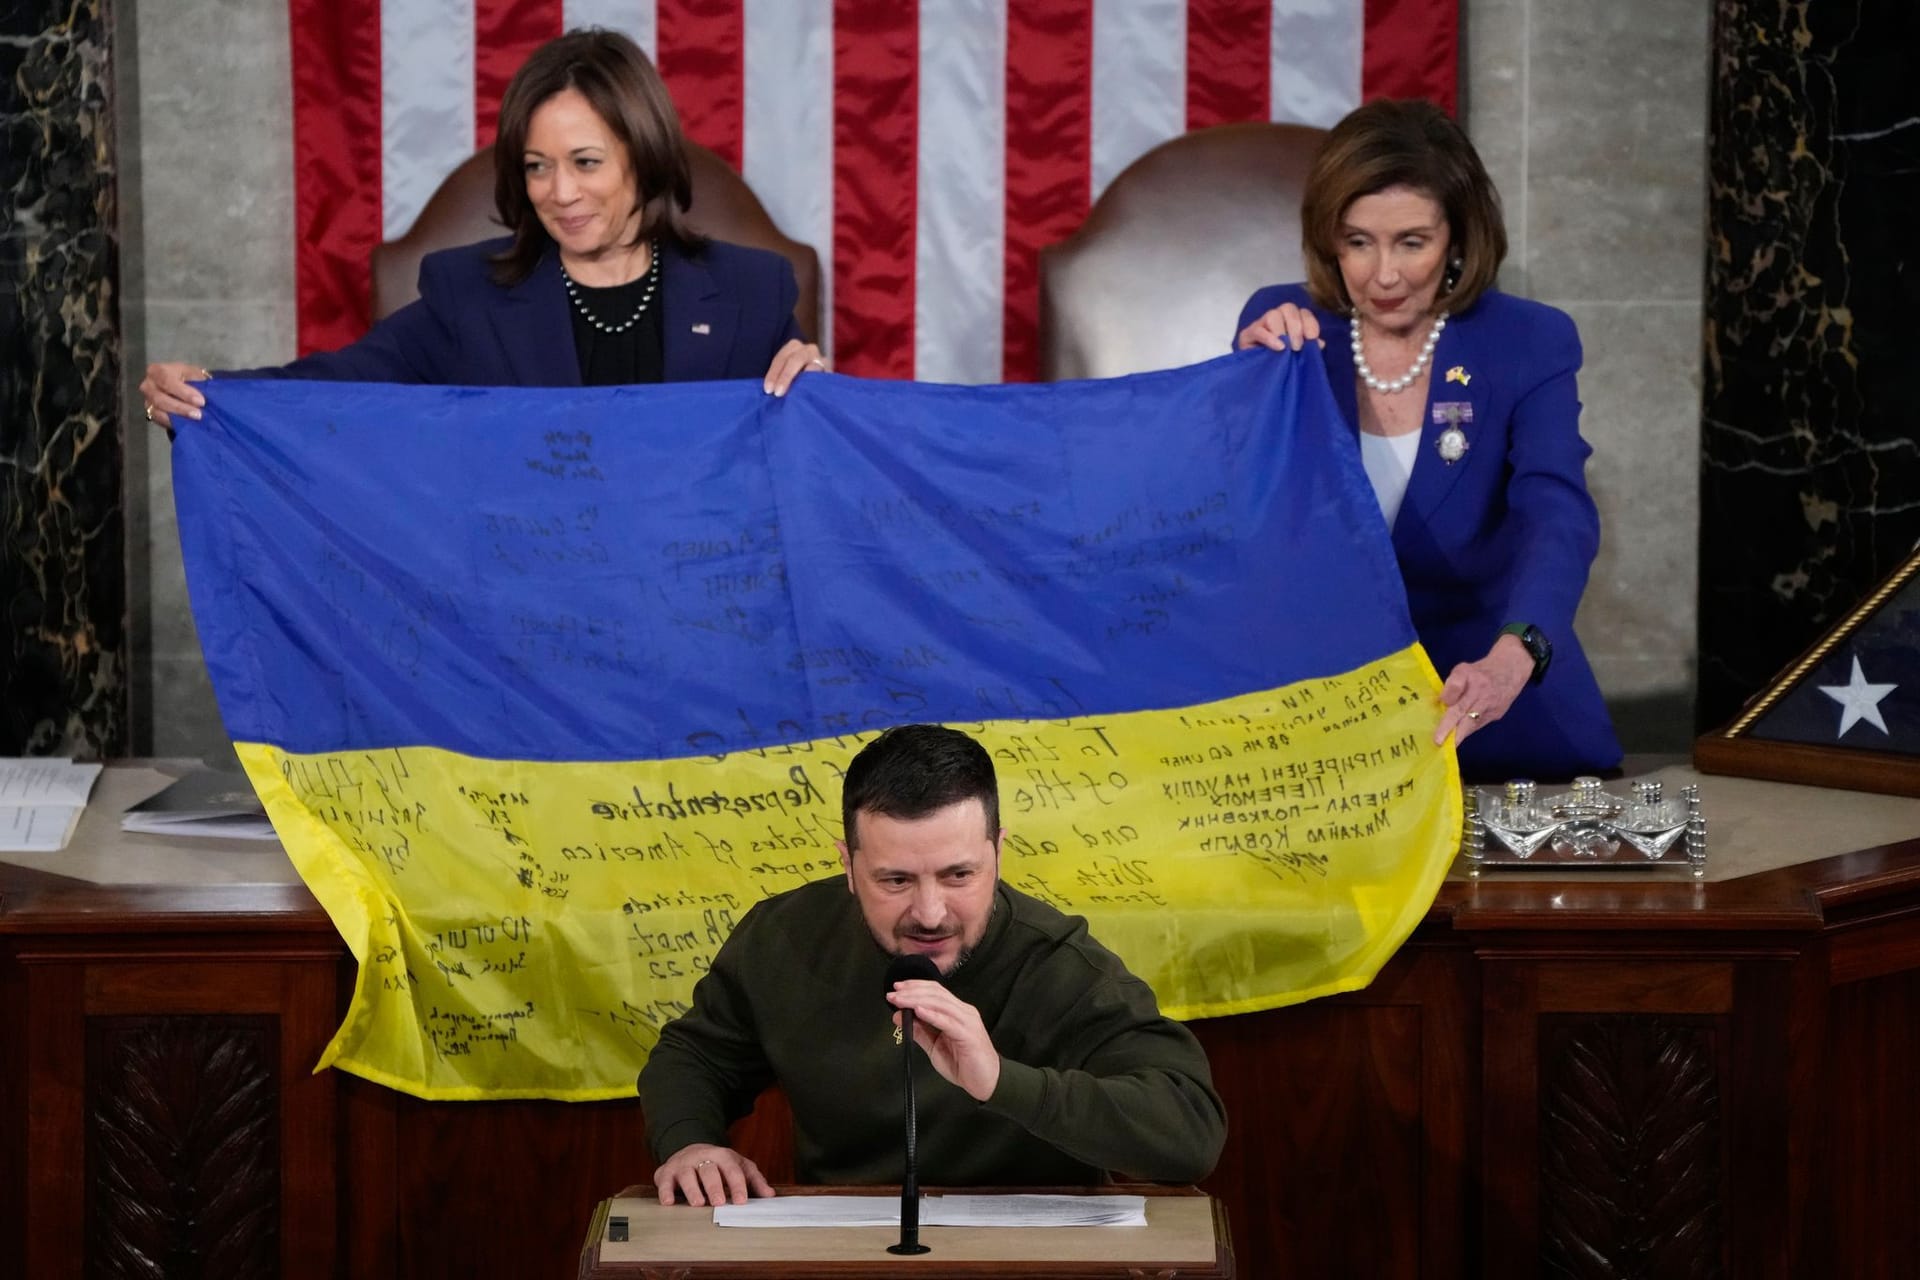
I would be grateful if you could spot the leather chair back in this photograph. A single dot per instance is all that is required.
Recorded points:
(460, 211)
(1157, 273)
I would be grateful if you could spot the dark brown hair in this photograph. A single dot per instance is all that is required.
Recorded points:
(913, 770)
(611, 72)
(1402, 143)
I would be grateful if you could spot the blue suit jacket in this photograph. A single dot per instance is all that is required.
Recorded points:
(725, 311)
(1507, 533)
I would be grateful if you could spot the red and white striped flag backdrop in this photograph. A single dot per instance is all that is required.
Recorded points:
(927, 150)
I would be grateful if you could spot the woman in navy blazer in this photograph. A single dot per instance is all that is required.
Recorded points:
(1465, 404)
(601, 283)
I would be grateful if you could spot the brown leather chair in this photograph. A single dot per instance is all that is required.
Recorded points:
(1158, 272)
(460, 211)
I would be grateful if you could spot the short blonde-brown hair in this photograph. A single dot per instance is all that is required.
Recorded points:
(1402, 143)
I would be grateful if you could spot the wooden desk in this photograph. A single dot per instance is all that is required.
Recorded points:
(1185, 1238)
(1553, 1075)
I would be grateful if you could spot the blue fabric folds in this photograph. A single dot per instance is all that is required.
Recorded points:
(694, 569)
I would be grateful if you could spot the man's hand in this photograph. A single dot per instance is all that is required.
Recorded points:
(950, 1031)
(706, 1174)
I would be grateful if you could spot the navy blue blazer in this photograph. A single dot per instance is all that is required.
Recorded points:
(1506, 534)
(725, 311)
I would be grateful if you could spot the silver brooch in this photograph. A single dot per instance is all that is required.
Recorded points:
(1452, 444)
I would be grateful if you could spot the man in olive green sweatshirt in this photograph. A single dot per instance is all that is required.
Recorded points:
(1044, 1061)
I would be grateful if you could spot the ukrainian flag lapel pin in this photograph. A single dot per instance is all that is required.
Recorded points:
(1460, 375)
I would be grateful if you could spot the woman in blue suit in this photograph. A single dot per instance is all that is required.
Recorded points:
(1465, 406)
(601, 283)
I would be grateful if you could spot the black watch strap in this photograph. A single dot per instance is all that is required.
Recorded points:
(1538, 647)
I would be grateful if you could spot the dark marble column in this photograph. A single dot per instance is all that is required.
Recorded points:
(63, 674)
(1810, 479)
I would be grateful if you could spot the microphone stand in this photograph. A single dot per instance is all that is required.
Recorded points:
(910, 1185)
(902, 969)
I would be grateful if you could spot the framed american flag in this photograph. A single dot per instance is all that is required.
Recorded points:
(1846, 713)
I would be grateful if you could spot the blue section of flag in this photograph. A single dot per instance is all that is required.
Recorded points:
(657, 572)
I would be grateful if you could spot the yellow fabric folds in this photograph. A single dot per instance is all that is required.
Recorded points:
(525, 929)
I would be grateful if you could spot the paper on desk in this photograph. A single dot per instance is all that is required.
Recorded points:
(41, 801)
(225, 826)
(37, 828)
(205, 802)
(44, 780)
(937, 1211)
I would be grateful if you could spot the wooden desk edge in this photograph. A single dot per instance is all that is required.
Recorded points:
(1222, 1268)
(596, 1232)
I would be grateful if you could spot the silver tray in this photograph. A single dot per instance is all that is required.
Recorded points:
(1585, 826)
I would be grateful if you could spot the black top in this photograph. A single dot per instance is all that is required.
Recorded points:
(729, 309)
(618, 359)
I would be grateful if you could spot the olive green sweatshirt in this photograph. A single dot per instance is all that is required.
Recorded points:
(1093, 1080)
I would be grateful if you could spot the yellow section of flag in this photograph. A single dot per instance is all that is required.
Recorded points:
(524, 929)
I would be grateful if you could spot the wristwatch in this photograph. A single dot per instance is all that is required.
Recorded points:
(1537, 645)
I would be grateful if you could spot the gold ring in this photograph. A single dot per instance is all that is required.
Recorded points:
(1473, 715)
(149, 413)
(701, 1164)
(817, 360)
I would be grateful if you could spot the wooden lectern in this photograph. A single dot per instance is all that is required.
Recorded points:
(1185, 1239)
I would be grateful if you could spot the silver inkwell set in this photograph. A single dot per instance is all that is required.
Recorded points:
(1584, 826)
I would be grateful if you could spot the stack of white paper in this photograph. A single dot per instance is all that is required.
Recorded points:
(41, 800)
(937, 1211)
(204, 803)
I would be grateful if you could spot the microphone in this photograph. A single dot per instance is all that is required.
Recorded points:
(905, 969)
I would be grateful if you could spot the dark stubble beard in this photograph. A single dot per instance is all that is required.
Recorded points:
(966, 952)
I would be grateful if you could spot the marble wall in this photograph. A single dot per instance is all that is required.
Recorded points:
(64, 673)
(1591, 117)
(1811, 457)
(212, 282)
(1592, 121)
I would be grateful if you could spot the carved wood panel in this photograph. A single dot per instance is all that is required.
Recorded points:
(1632, 1183)
(183, 1146)
(1359, 1099)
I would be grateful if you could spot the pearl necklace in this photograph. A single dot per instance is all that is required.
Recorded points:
(646, 299)
(1406, 379)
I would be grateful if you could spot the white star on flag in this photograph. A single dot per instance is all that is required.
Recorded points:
(1858, 700)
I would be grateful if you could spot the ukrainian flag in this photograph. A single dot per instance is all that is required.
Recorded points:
(544, 688)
